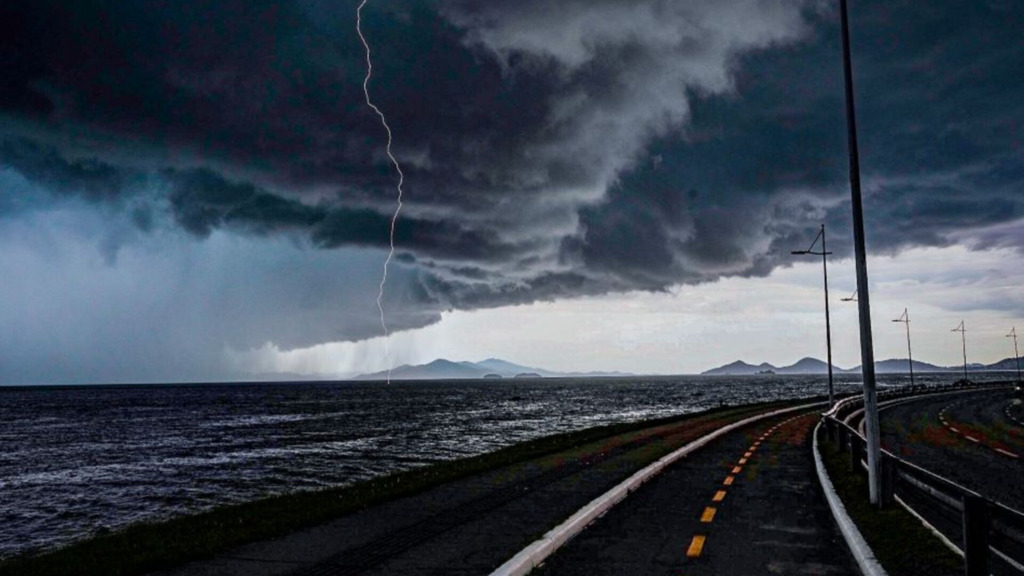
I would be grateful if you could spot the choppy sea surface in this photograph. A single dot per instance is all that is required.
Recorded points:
(75, 461)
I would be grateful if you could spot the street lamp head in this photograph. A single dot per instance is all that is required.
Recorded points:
(798, 252)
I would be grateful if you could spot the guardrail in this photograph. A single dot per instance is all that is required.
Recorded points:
(986, 527)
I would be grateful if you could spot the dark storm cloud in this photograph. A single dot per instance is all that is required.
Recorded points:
(21, 61)
(551, 149)
(939, 117)
(90, 178)
(202, 201)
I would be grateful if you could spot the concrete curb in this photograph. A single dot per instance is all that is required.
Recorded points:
(862, 553)
(528, 558)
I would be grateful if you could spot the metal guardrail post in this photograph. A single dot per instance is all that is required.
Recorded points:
(856, 453)
(987, 526)
(888, 472)
(975, 524)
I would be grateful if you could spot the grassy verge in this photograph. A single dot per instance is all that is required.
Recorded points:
(901, 544)
(147, 547)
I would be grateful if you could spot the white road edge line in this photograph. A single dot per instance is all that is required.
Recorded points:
(862, 553)
(1006, 453)
(530, 557)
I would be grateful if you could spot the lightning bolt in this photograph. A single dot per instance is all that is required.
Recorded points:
(401, 180)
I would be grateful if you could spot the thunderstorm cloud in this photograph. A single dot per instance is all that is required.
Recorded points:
(219, 153)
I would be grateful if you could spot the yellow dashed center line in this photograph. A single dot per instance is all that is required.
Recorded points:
(696, 546)
(708, 515)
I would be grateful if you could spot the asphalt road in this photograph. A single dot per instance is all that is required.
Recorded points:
(748, 503)
(975, 440)
(969, 439)
(469, 526)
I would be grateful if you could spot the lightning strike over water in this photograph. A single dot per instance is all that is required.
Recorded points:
(401, 181)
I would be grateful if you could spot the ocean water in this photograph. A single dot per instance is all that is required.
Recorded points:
(75, 461)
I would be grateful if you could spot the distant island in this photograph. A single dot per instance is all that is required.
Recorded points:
(492, 368)
(495, 369)
(815, 366)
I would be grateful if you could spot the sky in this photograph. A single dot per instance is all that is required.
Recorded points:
(197, 190)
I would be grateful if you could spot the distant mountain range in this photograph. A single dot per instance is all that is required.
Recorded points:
(815, 366)
(442, 369)
(741, 368)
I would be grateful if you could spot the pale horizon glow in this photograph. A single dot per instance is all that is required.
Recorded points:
(778, 319)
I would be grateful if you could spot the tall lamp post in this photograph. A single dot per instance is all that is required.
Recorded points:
(1016, 355)
(963, 337)
(828, 326)
(905, 318)
(867, 353)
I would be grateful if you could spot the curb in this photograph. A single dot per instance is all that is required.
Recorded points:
(862, 553)
(528, 558)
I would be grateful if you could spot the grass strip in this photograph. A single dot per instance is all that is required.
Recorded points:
(147, 547)
(900, 542)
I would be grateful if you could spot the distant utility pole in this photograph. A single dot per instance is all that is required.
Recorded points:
(1016, 355)
(905, 318)
(867, 353)
(828, 325)
(963, 337)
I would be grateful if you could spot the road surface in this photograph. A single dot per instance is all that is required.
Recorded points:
(749, 503)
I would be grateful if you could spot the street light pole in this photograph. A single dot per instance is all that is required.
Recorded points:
(1016, 355)
(905, 318)
(963, 337)
(867, 353)
(828, 324)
